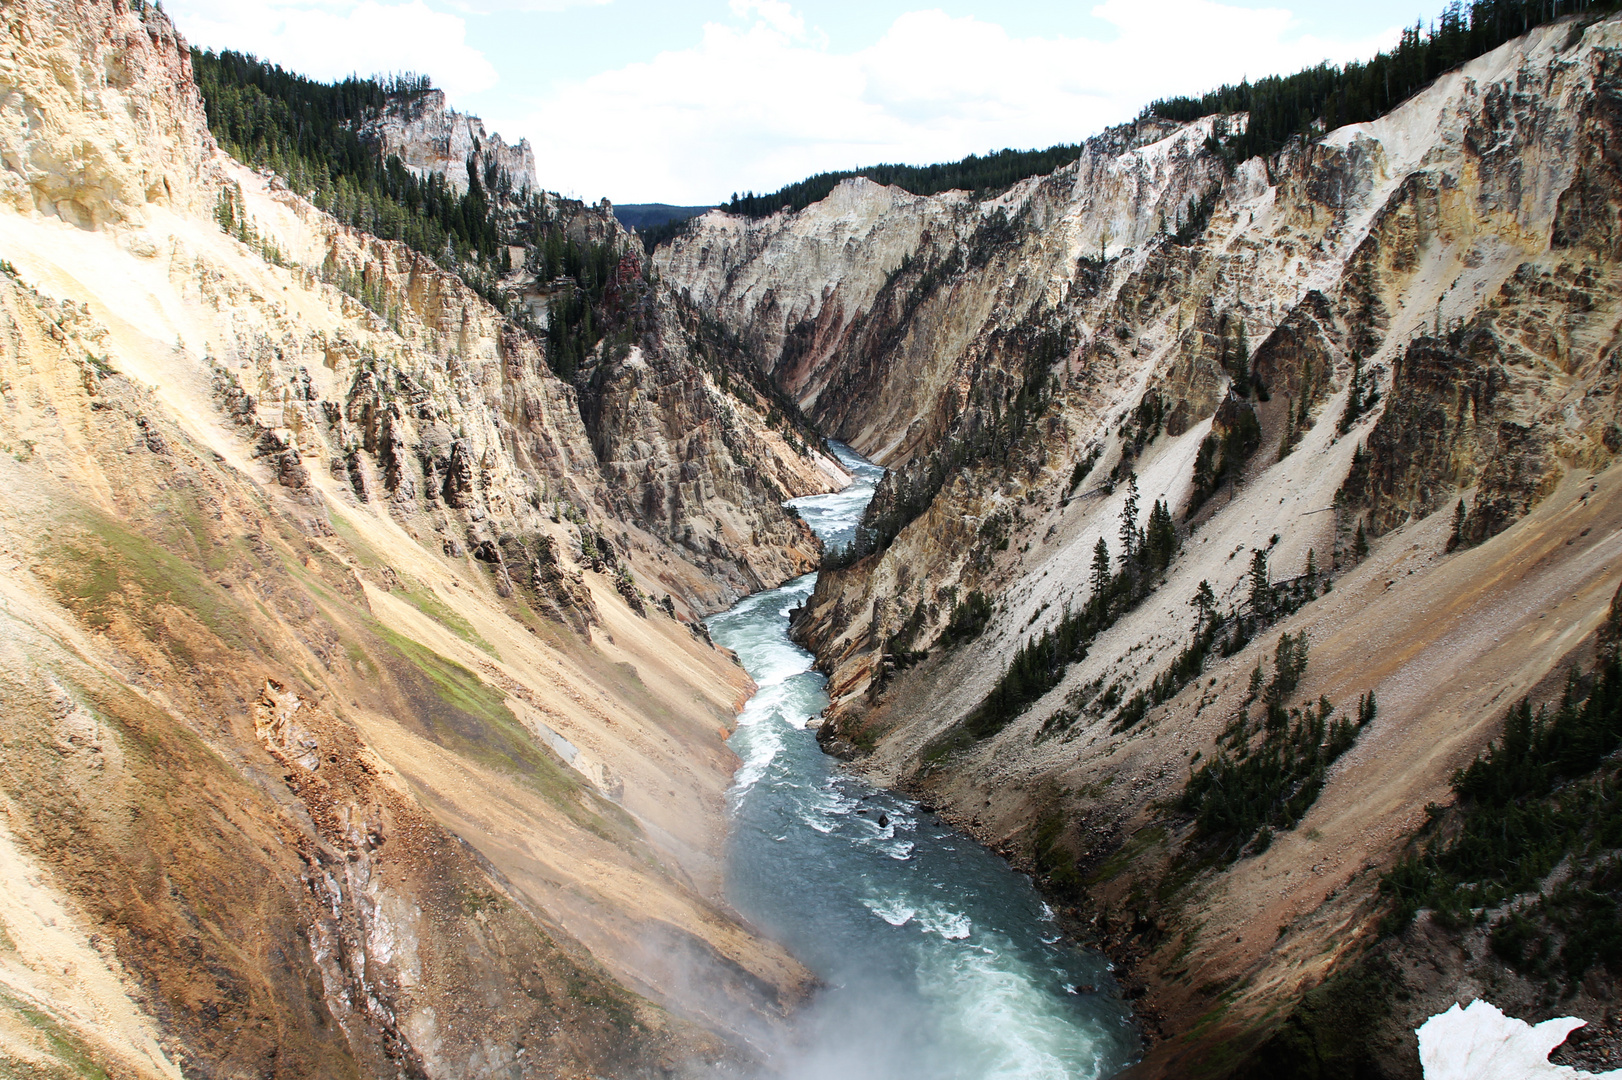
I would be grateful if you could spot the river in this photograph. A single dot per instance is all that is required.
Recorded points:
(939, 962)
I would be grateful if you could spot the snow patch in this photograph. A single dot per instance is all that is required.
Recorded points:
(1481, 1043)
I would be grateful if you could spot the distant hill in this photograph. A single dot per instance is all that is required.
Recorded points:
(978, 173)
(645, 216)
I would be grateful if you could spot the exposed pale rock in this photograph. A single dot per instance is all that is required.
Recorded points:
(841, 298)
(822, 268)
(431, 137)
(82, 137)
(344, 747)
(1464, 247)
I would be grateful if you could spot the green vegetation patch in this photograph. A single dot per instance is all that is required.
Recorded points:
(308, 132)
(605, 998)
(359, 549)
(969, 617)
(213, 555)
(425, 600)
(1040, 663)
(105, 568)
(1235, 436)
(1548, 791)
(1328, 1034)
(1140, 842)
(466, 714)
(469, 717)
(1285, 107)
(976, 173)
(417, 594)
(72, 1056)
(1270, 771)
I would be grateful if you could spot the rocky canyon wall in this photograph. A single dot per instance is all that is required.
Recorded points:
(356, 716)
(1381, 360)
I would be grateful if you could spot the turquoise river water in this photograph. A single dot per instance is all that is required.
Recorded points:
(938, 961)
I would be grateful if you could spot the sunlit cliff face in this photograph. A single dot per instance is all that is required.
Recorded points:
(357, 713)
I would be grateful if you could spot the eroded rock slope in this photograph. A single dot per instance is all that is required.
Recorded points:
(429, 137)
(355, 716)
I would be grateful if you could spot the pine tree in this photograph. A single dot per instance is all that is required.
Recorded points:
(1241, 364)
(1161, 536)
(1360, 542)
(1458, 527)
(1101, 575)
(1355, 404)
(1295, 660)
(1278, 690)
(1129, 523)
(1204, 604)
(1261, 591)
(1312, 565)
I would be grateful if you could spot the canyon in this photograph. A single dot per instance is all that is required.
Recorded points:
(1455, 254)
(359, 709)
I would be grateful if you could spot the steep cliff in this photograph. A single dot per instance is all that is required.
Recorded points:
(87, 142)
(1282, 378)
(429, 136)
(877, 309)
(697, 455)
(357, 718)
(355, 725)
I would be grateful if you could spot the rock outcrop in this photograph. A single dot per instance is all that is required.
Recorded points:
(344, 739)
(429, 137)
(84, 139)
(699, 457)
(841, 299)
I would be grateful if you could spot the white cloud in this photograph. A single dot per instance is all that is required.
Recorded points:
(491, 7)
(777, 15)
(762, 101)
(328, 39)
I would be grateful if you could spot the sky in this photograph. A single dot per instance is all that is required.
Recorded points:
(689, 101)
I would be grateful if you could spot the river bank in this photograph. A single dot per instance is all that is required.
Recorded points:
(938, 959)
